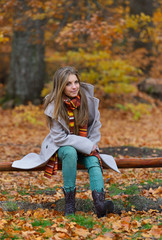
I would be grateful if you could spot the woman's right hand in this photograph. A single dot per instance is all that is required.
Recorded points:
(94, 148)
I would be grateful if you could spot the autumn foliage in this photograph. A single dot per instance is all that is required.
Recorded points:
(94, 36)
(97, 37)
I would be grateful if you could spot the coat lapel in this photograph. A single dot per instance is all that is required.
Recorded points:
(49, 112)
(93, 107)
(63, 123)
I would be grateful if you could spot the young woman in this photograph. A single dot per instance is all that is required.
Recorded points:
(73, 117)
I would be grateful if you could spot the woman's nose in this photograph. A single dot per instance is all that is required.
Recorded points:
(73, 86)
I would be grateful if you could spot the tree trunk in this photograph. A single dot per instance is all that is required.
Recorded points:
(27, 66)
(136, 8)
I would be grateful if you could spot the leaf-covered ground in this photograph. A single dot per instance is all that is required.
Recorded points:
(31, 206)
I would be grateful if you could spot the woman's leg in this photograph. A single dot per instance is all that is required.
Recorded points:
(97, 186)
(95, 173)
(68, 156)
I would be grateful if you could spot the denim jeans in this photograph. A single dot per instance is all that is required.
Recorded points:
(69, 157)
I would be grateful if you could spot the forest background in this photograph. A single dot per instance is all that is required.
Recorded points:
(117, 46)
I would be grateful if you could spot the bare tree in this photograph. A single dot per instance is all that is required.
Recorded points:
(27, 66)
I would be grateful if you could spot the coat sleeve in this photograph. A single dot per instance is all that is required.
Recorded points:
(62, 138)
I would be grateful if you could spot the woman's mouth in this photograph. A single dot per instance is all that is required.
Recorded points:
(74, 91)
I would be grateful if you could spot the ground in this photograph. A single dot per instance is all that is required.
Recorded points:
(31, 206)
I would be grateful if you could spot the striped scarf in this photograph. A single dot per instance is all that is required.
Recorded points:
(52, 165)
(71, 106)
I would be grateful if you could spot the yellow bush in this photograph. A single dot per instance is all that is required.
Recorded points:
(137, 110)
(28, 114)
(112, 75)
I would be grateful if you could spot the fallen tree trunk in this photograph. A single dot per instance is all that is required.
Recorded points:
(121, 163)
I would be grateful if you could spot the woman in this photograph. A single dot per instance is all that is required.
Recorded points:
(73, 118)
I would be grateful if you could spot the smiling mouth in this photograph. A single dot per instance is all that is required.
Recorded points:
(74, 91)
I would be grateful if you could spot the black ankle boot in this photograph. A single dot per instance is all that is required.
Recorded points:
(102, 207)
(69, 202)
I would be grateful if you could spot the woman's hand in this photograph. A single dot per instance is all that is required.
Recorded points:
(94, 148)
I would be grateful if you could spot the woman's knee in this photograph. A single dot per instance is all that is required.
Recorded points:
(67, 152)
(91, 161)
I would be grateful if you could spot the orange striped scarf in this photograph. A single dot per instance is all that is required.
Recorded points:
(52, 165)
(71, 106)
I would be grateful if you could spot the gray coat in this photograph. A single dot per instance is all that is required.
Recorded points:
(59, 135)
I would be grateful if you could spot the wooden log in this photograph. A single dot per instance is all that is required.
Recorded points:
(121, 163)
(139, 162)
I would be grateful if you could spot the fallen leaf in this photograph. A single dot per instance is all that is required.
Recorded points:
(81, 232)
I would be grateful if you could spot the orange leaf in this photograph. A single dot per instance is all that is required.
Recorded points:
(81, 232)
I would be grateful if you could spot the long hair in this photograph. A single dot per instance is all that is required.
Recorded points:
(60, 80)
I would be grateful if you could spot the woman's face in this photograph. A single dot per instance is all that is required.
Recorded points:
(72, 87)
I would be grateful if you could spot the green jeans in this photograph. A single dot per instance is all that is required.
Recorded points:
(69, 157)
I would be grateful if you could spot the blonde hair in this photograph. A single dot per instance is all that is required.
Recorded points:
(60, 80)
